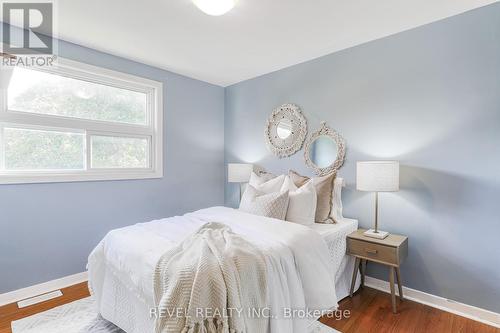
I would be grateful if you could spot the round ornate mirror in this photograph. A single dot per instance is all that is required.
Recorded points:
(324, 151)
(286, 130)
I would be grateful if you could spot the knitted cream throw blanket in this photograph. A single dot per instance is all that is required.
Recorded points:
(209, 282)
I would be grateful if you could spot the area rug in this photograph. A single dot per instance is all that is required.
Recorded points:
(80, 317)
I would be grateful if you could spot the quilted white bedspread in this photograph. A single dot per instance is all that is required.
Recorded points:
(300, 269)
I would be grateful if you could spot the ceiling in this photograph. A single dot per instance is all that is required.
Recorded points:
(255, 38)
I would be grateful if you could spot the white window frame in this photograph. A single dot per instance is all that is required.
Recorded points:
(153, 130)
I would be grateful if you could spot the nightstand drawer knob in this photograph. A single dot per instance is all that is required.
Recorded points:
(370, 251)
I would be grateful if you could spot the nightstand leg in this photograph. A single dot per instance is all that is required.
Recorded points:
(393, 294)
(354, 275)
(363, 272)
(400, 286)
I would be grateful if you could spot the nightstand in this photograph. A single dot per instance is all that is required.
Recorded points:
(390, 251)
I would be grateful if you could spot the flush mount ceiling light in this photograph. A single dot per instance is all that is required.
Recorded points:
(215, 7)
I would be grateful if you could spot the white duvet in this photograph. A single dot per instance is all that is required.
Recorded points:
(299, 267)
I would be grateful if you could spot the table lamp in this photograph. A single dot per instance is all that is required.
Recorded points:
(239, 173)
(377, 176)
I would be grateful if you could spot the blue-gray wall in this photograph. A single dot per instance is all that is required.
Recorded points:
(48, 230)
(429, 97)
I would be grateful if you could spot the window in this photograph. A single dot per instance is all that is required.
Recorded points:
(78, 122)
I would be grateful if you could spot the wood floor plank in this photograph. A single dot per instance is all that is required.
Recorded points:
(370, 312)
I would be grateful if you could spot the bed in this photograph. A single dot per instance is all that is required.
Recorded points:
(316, 268)
(119, 272)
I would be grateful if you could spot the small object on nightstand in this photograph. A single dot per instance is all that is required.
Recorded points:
(390, 251)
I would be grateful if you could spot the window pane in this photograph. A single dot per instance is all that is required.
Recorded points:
(27, 149)
(119, 152)
(39, 92)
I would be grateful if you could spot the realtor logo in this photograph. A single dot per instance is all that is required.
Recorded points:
(36, 19)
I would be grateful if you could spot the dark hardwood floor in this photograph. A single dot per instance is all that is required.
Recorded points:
(370, 311)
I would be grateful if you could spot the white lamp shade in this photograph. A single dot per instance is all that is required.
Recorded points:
(215, 7)
(377, 176)
(239, 172)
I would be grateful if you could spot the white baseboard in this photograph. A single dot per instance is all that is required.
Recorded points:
(42, 288)
(461, 309)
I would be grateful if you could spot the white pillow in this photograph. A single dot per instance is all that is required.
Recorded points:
(265, 204)
(337, 208)
(273, 185)
(302, 202)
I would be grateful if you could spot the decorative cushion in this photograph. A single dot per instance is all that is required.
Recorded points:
(269, 186)
(302, 202)
(265, 204)
(324, 191)
(337, 208)
(266, 176)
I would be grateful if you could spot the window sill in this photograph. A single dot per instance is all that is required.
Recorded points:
(52, 177)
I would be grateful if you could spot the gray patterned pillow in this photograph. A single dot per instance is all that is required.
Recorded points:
(272, 205)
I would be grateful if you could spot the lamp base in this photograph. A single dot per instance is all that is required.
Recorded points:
(378, 234)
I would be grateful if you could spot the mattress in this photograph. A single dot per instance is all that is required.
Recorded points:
(335, 236)
(121, 292)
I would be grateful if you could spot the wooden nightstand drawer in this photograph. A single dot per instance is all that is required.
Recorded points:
(372, 251)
